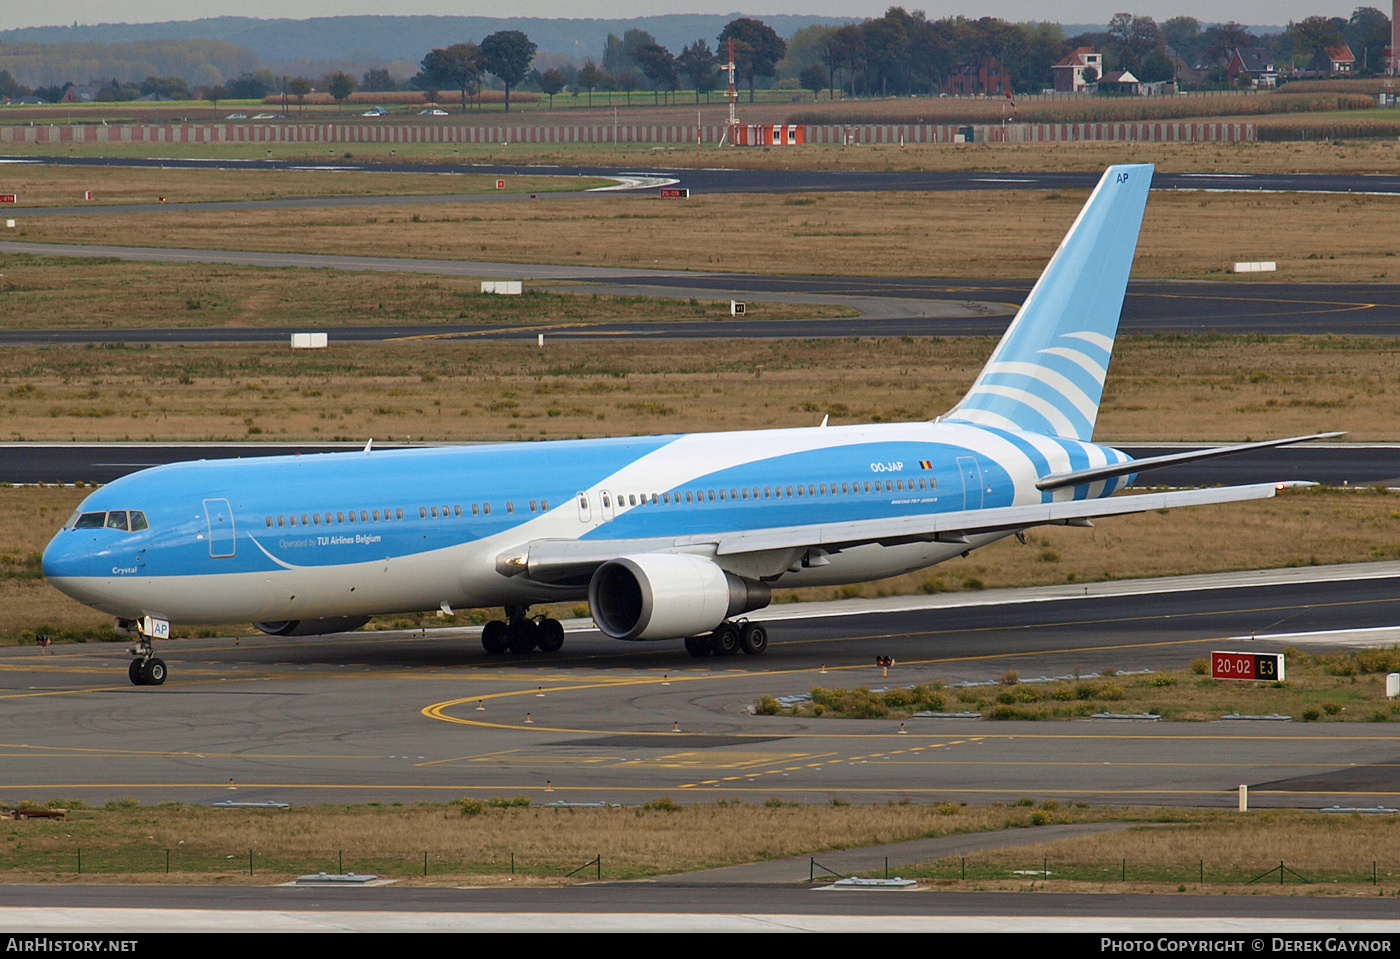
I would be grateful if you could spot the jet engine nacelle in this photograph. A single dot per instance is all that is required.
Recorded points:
(668, 596)
(313, 627)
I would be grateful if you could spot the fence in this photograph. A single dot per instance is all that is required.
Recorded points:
(864, 133)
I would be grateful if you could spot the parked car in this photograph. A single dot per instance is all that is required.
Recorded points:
(236, 116)
(432, 112)
(375, 112)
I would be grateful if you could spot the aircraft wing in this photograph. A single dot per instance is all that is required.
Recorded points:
(573, 561)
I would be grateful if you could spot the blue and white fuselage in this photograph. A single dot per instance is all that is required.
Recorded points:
(667, 536)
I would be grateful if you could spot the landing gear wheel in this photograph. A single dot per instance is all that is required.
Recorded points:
(493, 637)
(724, 641)
(753, 639)
(550, 636)
(153, 672)
(134, 671)
(697, 646)
(522, 636)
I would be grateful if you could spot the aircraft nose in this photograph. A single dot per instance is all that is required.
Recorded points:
(63, 556)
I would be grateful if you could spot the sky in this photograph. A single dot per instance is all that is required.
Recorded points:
(57, 12)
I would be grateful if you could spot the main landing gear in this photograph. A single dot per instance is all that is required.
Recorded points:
(146, 669)
(728, 639)
(520, 634)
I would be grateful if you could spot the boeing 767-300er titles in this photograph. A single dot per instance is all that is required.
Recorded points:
(668, 537)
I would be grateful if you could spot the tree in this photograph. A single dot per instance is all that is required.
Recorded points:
(627, 81)
(458, 66)
(551, 82)
(506, 54)
(757, 48)
(299, 87)
(590, 77)
(1315, 35)
(845, 48)
(658, 65)
(1368, 34)
(813, 78)
(340, 85)
(213, 95)
(697, 64)
(378, 80)
(1157, 67)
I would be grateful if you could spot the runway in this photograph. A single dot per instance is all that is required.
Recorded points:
(719, 179)
(410, 715)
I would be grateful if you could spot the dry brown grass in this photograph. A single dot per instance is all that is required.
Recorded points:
(65, 186)
(44, 292)
(991, 234)
(1335, 852)
(126, 839)
(1159, 388)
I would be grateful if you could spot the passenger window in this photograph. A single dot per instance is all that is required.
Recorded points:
(281, 521)
(340, 517)
(721, 496)
(351, 515)
(116, 519)
(532, 506)
(510, 506)
(933, 482)
(422, 512)
(303, 520)
(476, 510)
(269, 522)
(398, 514)
(544, 505)
(364, 517)
(434, 512)
(456, 510)
(486, 508)
(375, 515)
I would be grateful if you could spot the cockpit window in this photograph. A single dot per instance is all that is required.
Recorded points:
(131, 521)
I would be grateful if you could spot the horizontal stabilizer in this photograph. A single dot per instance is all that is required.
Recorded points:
(1094, 474)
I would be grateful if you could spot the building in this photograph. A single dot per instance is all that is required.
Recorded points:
(1120, 81)
(1069, 72)
(1333, 61)
(1256, 62)
(987, 78)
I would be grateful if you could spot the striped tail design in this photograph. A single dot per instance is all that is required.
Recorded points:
(1046, 375)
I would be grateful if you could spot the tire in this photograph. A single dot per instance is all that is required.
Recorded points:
(753, 639)
(493, 637)
(697, 646)
(153, 672)
(522, 636)
(724, 641)
(134, 671)
(551, 635)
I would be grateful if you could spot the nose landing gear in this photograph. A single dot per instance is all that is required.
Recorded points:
(146, 668)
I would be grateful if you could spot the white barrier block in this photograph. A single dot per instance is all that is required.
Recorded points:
(1257, 266)
(309, 341)
(504, 287)
(10, 224)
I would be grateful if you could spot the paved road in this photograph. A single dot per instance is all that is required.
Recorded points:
(1334, 464)
(721, 180)
(394, 716)
(666, 907)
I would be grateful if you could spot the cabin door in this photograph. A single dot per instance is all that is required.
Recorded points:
(219, 518)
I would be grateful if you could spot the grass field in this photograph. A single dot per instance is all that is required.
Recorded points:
(45, 292)
(476, 842)
(42, 186)
(1342, 686)
(991, 234)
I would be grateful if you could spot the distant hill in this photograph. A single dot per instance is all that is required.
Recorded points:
(404, 38)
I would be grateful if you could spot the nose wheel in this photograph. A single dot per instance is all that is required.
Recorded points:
(147, 672)
(146, 669)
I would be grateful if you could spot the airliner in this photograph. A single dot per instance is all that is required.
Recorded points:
(667, 537)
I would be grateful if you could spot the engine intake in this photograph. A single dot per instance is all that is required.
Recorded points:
(313, 627)
(668, 596)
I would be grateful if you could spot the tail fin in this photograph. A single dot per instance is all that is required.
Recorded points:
(1046, 375)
